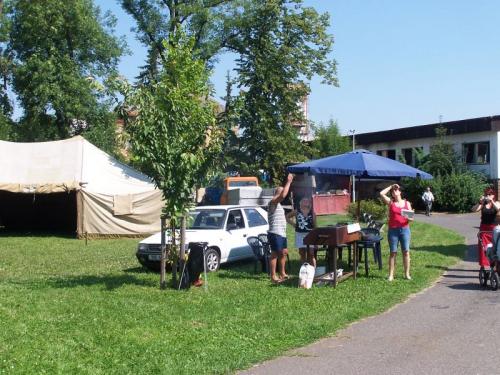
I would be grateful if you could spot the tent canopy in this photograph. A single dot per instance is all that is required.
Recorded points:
(70, 164)
(112, 198)
(360, 163)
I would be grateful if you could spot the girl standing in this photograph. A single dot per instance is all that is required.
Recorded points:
(399, 228)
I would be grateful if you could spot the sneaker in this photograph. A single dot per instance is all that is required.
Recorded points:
(390, 278)
(408, 277)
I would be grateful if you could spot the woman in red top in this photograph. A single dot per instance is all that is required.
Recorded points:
(399, 229)
(489, 208)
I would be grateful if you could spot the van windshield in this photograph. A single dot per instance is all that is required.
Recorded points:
(206, 219)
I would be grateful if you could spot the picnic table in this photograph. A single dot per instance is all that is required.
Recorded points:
(333, 237)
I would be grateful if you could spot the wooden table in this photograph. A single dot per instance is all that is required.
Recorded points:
(332, 237)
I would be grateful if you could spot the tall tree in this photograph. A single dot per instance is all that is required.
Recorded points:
(176, 133)
(206, 21)
(328, 141)
(59, 49)
(5, 73)
(282, 45)
(5, 62)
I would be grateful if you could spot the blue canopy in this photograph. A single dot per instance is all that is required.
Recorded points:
(360, 163)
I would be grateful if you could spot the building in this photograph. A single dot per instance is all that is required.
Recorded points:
(477, 140)
(303, 126)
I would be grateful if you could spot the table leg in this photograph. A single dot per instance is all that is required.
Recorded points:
(379, 256)
(335, 252)
(366, 260)
(355, 261)
(331, 253)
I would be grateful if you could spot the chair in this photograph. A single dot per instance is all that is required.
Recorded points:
(259, 253)
(340, 248)
(370, 239)
(263, 238)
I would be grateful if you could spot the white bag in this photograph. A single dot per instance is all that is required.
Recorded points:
(306, 276)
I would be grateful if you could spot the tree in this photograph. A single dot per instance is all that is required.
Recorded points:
(232, 157)
(442, 159)
(176, 133)
(5, 71)
(59, 49)
(282, 45)
(328, 141)
(455, 188)
(207, 22)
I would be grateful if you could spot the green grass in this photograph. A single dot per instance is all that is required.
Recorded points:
(74, 309)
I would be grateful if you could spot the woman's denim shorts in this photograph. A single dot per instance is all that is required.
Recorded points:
(277, 242)
(401, 235)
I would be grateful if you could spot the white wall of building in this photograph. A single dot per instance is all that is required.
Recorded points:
(493, 137)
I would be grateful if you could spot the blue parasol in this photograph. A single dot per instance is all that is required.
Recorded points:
(359, 163)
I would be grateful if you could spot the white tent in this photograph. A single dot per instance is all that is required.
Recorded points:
(108, 197)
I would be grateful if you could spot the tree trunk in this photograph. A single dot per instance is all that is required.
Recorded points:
(182, 252)
(175, 259)
(61, 124)
(163, 255)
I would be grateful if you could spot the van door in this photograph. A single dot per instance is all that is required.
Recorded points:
(236, 234)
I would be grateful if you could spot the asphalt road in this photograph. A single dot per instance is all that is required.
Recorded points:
(450, 328)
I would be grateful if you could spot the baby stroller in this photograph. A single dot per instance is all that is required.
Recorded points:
(491, 250)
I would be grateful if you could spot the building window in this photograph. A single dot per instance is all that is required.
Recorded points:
(409, 155)
(391, 154)
(476, 153)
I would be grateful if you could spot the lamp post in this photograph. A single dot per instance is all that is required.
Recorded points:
(352, 131)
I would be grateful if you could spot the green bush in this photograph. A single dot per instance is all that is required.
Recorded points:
(371, 206)
(461, 191)
(455, 192)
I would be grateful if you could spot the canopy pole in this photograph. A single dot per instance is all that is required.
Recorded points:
(353, 188)
(358, 207)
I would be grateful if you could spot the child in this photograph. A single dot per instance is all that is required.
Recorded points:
(304, 220)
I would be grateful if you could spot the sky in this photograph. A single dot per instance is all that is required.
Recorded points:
(400, 63)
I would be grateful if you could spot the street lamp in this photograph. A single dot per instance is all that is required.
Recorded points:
(351, 132)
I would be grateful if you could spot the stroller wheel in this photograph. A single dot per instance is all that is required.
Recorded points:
(483, 277)
(494, 280)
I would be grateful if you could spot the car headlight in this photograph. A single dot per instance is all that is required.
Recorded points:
(143, 247)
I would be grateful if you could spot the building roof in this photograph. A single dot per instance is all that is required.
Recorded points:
(474, 125)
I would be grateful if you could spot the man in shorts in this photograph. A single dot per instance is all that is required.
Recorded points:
(277, 231)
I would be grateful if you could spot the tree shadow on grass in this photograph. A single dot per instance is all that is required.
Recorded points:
(140, 270)
(36, 233)
(458, 250)
(109, 282)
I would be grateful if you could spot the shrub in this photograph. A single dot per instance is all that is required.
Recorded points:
(461, 191)
(455, 192)
(371, 206)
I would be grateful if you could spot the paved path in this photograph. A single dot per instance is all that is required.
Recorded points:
(451, 328)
